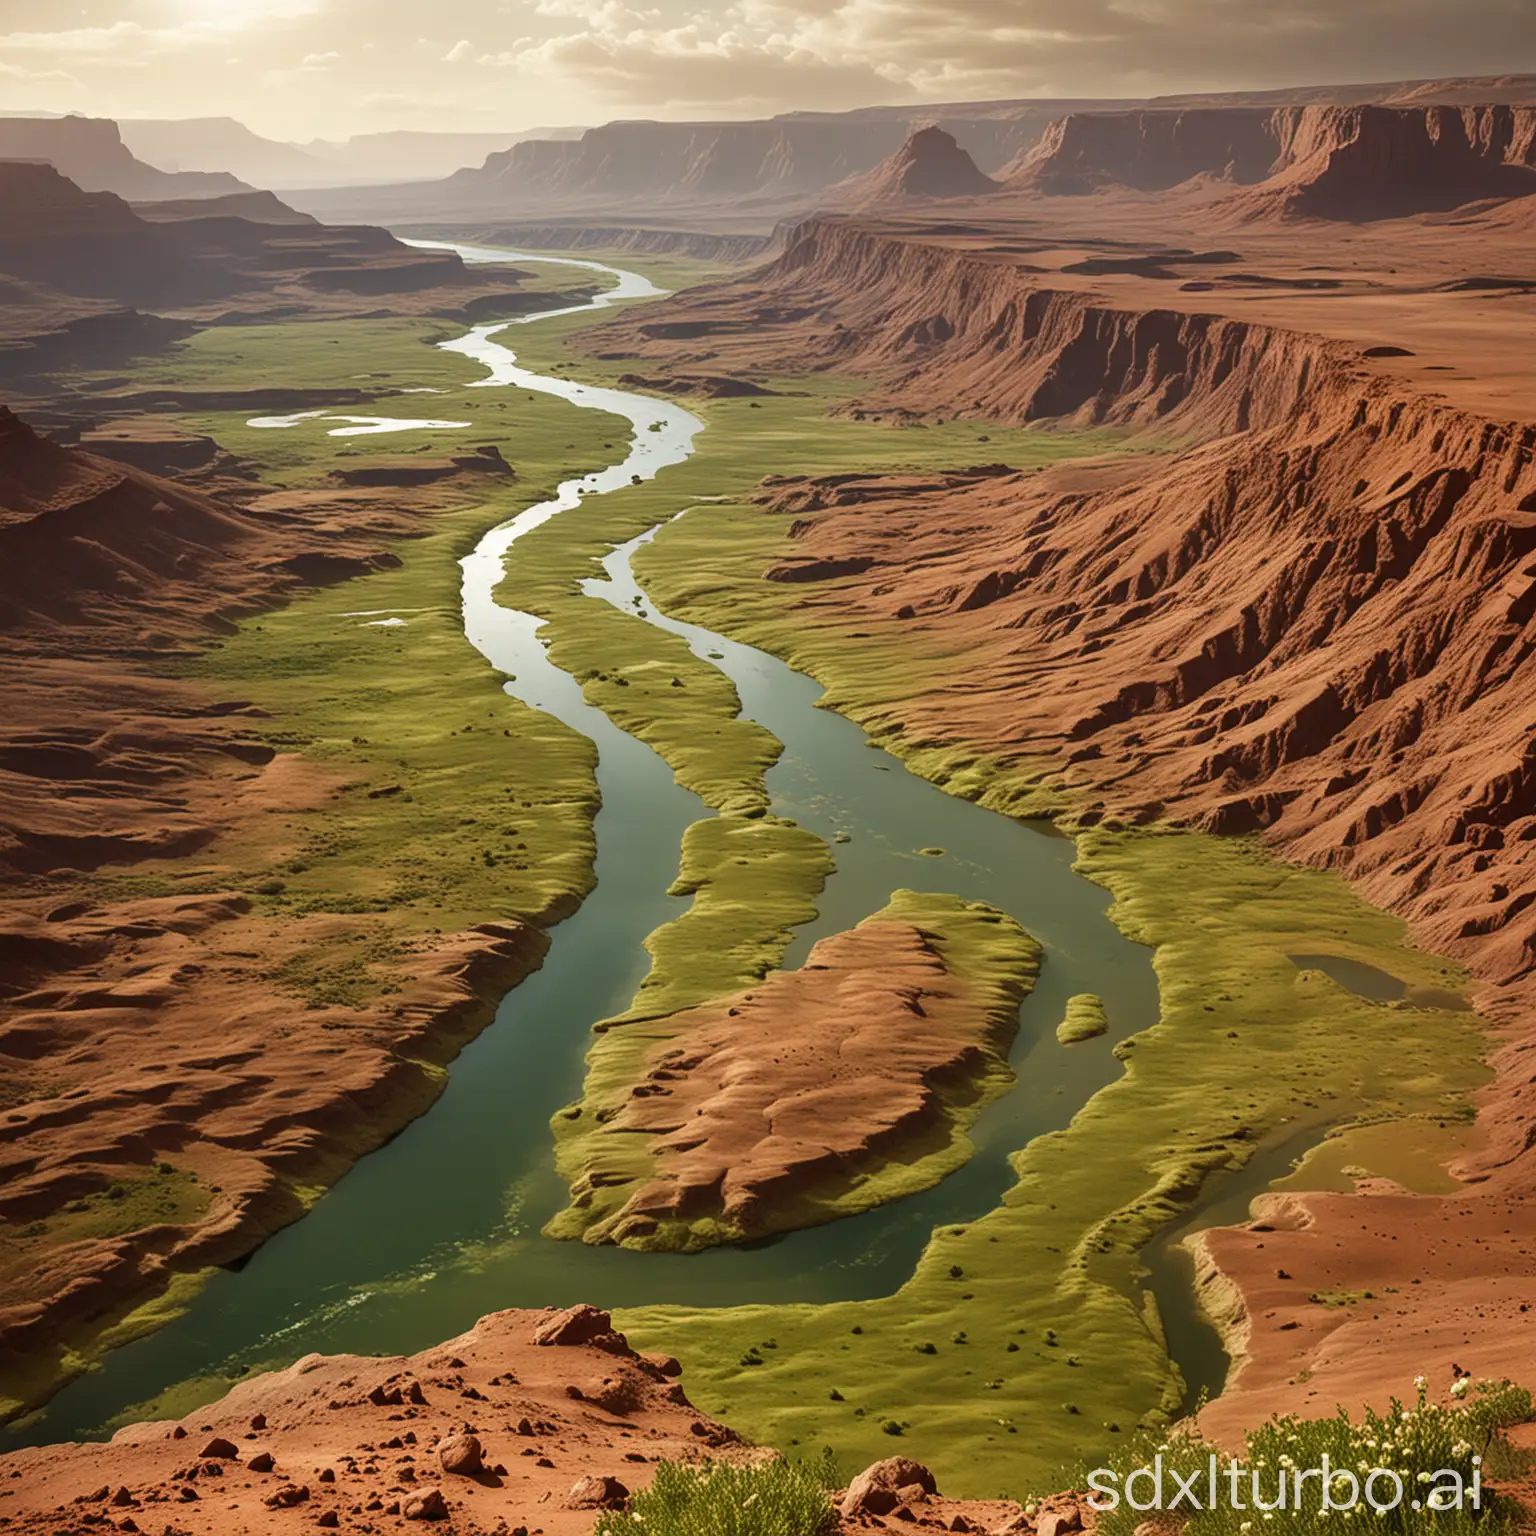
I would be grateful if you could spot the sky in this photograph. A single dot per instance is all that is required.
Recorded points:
(299, 69)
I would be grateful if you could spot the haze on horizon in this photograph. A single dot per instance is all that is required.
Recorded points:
(300, 69)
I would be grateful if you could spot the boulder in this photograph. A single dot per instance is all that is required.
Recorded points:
(260, 1462)
(576, 1325)
(877, 1490)
(429, 1505)
(1058, 1522)
(593, 1492)
(461, 1454)
(218, 1449)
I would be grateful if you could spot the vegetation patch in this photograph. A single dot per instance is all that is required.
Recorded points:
(773, 1498)
(1085, 1019)
(1413, 1469)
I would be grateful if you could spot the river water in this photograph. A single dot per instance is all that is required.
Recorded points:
(443, 1223)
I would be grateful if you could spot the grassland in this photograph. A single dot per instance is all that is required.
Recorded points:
(1043, 1343)
(454, 803)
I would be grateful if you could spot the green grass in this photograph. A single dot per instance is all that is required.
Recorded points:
(1246, 1046)
(1085, 1019)
(980, 946)
(775, 1498)
(1419, 1443)
(538, 434)
(752, 881)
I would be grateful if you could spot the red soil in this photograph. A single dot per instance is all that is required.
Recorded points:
(556, 1402)
(778, 1094)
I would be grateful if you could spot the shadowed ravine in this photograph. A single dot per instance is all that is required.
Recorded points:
(443, 1224)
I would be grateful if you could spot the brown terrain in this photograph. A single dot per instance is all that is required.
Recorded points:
(85, 278)
(140, 1030)
(928, 167)
(532, 1421)
(762, 1104)
(742, 177)
(1307, 617)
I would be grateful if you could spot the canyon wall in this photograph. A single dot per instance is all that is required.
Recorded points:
(1318, 626)
(1330, 162)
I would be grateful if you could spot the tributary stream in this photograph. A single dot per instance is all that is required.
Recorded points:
(443, 1224)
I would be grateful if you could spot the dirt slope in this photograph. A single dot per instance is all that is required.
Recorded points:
(564, 1417)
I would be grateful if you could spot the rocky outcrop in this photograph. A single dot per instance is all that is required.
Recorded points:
(255, 207)
(931, 327)
(1148, 151)
(338, 1440)
(1379, 163)
(1352, 164)
(929, 166)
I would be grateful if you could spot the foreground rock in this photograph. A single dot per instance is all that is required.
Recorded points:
(488, 1432)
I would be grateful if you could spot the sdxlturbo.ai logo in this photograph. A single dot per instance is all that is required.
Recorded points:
(1265, 1490)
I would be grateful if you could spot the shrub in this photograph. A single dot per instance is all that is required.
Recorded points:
(1414, 1442)
(776, 1498)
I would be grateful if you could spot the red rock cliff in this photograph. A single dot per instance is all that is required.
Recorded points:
(1330, 162)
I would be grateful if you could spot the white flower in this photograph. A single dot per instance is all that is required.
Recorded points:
(1461, 1448)
(1462, 1387)
(1421, 1382)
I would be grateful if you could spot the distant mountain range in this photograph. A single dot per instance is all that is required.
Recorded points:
(91, 153)
(223, 144)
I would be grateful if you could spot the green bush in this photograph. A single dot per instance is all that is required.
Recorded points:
(775, 1498)
(1415, 1443)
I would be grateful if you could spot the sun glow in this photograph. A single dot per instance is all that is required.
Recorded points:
(235, 15)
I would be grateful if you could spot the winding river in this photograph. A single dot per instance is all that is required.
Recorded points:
(443, 1223)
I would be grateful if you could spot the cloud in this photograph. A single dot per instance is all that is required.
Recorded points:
(318, 63)
(131, 43)
(460, 51)
(774, 53)
(693, 66)
(26, 76)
